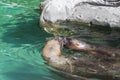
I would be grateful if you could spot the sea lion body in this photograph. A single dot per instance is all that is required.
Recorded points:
(83, 66)
(79, 45)
(52, 54)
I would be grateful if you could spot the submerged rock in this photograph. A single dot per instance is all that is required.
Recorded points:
(88, 12)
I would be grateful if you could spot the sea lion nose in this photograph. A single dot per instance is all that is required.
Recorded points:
(67, 41)
(62, 40)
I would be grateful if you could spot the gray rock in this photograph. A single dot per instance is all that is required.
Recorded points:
(98, 12)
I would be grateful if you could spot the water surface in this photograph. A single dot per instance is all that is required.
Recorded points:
(21, 42)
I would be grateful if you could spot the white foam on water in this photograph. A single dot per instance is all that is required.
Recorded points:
(9, 16)
(10, 5)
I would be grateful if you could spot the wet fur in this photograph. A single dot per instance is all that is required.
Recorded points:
(78, 45)
(83, 66)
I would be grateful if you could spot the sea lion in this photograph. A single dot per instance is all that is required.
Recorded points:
(83, 66)
(79, 45)
(52, 54)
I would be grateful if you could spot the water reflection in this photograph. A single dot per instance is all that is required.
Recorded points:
(98, 35)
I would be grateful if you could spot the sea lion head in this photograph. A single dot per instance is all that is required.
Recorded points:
(74, 44)
(62, 40)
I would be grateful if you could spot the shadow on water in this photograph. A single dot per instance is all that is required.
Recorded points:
(97, 35)
(23, 73)
(108, 35)
(29, 72)
(24, 29)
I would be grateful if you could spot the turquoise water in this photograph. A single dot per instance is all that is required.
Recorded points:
(21, 42)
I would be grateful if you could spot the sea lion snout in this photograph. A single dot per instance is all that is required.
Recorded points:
(72, 43)
(62, 40)
(75, 44)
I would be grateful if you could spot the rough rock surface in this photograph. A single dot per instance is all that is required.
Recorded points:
(98, 12)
